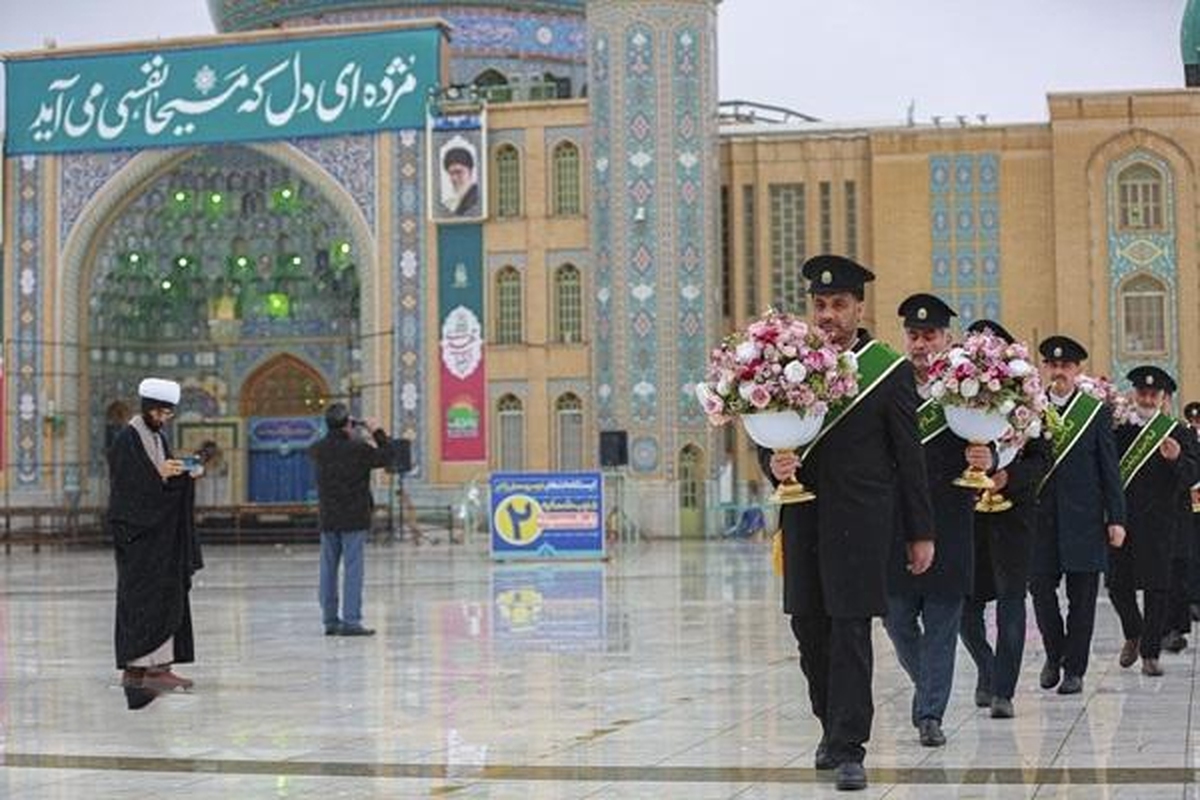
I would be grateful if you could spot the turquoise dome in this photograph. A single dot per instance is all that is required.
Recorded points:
(246, 15)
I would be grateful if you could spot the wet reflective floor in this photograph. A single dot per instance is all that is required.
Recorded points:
(668, 672)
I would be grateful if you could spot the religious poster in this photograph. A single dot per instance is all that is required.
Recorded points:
(460, 315)
(457, 167)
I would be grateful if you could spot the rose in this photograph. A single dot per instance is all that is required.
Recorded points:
(968, 388)
(1019, 368)
(760, 396)
(746, 352)
(709, 401)
(795, 372)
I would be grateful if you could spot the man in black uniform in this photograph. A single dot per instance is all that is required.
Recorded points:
(924, 611)
(868, 471)
(1158, 466)
(1178, 615)
(1003, 550)
(1081, 512)
(1191, 414)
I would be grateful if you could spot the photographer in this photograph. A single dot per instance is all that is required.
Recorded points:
(343, 461)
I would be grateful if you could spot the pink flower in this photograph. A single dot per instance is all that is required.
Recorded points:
(760, 397)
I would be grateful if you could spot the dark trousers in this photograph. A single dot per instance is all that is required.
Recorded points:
(1071, 644)
(836, 657)
(1178, 615)
(924, 631)
(1149, 629)
(997, 670)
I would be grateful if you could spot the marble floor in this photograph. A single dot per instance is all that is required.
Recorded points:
(667, 672)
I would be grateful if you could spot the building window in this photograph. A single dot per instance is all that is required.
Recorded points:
(851, 190)
(825, 198)
(568, 305)
(1139, 197)
(1143, 303)
(749, 262)
(788, 247)
(726, 257)
(494, 86)
(567, 193)
(690, 479)
(568, 416)
(511, 451)
(508, 181)
(508, 306)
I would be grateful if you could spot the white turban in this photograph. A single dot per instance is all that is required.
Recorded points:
(160, 389)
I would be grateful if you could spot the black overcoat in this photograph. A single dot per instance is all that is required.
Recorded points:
(1004, 541)
(1079, 500)
(1153, 514)
(867, 472)
(154, 540)
(953, 570)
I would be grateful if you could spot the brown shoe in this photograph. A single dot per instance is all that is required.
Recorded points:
(132, 678)
(164, 680)
(1129, 653)
(1151, 668)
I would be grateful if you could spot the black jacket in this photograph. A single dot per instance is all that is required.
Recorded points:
(868, 473)
(343, 467)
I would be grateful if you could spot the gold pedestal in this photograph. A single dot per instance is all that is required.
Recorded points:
(974, 478)
(993, 503)
(791, 491)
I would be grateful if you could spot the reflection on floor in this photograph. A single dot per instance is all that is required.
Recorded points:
(668, 672)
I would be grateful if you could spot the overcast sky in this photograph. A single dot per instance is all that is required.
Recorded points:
(845, 60)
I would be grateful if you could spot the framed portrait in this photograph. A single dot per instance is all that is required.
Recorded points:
(457, 167)
(222, 482)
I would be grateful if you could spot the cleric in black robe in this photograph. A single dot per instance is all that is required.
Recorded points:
(150, 520)
(868, 473)
(1151, 507)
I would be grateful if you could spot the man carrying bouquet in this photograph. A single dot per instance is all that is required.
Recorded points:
(924, 610)
(1157, 465)
(867, 468)
(1081, 512)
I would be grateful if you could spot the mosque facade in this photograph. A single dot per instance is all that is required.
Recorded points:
(623, 221)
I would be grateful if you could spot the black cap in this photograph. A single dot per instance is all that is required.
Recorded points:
(458, 155)
(1147, 377)
(993, 327)
(1063, 348)
(337, 416)
(1192, 411)
(829, 274)
(925, 311)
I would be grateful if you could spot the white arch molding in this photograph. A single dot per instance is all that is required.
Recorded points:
(77, 260)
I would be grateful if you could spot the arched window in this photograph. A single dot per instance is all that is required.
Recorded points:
(511, 434)
(568, 305)
(566, 189)
(1143, 308)
(1139, 198)
(568, 417)
(690, 479)
(494, 86)
(508, 306)
(508, 181)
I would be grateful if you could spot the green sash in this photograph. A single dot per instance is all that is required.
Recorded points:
(1068, 427)
(875, 362)
(931, 420)
(1144, 446)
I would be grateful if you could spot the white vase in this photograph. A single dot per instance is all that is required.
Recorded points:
(977, 426)
(783, 432)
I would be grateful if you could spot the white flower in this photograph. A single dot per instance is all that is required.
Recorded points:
(1034, 430)
(968, 388)
(746, 352)
(1007, 407)
(745, 389)
(937, 390)
(849, 361)
(795, 372)
(1019, 368)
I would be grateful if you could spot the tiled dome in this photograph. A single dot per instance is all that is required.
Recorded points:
(244, 15)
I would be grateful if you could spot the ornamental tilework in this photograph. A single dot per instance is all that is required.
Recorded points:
(691, 161)
(1146, 252)
(350, 160)
(603, 236)
(28, 345)
(964, 221)
(81, 176)
(409, 401)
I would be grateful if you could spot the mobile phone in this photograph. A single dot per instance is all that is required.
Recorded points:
(191, 463)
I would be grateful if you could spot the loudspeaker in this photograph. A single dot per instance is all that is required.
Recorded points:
(614, 448)
(403, 462)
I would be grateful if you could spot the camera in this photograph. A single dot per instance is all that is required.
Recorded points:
(358, 423)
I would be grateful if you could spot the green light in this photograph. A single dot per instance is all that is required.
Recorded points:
(182, 261)
(180, 197)
(296, 261)
(166, 285)
(345, 248)
(278, 305)
(242, 261)
(215, 198)
(134, 258)
(286, 194)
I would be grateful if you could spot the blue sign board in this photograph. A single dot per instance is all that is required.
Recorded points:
(547, 515)
(172, 96)
(549, 607)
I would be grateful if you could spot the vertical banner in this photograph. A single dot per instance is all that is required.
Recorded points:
(457, 165)
(460, 316)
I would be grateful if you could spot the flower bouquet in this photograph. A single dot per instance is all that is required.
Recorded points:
(780, 376)
(989, 390)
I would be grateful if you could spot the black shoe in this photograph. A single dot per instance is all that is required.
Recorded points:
(1051, 674)
(1002, 708)
(824, 760)
(138, 698)
(983, 697)
(356, 630)
(1174, 642)
(1071, 684)
(931, 733)
(851, 777)
(333, 629)
(1194, 611)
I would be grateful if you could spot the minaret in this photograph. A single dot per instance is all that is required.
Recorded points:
(1189, 42)
(655, 190)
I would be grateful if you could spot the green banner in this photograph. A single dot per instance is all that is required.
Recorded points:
(178, 96)
(931, 420)
(1144, 446)
(460, 315)
(1066, 427)
(875, 362)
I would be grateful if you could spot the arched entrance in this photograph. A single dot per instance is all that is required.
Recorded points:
(281, 402)
(231, 266)
(692, 495)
